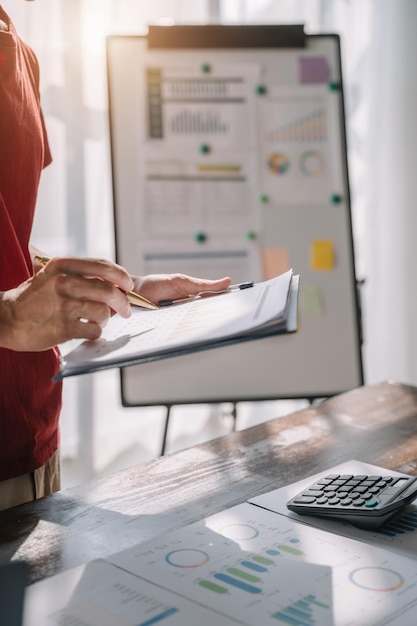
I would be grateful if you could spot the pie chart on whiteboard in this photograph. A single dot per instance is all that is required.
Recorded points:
(278, 163)
(312, 163)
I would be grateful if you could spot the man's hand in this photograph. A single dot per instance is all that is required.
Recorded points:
(157, 287)
(67, 299)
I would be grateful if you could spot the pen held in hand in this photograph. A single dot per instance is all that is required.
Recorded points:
(133, 298)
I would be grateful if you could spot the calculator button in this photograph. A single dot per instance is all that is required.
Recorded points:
(381, 483)
(388, 479)
(304, 500)
(346, 501)
(361, 489)
(345, 488)
(368, 496)
(360, 477)
(314, 492)
(354, 495)
(317, 485)
(333, 501)
(322, 500)
(374, 490)
(372, 503)
(358, 502)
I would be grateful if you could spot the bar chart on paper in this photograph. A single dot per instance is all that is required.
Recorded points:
(399, 534)
(235, 565)
(257, 566)
(100, 593)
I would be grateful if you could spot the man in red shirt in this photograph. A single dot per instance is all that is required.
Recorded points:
(41, 307)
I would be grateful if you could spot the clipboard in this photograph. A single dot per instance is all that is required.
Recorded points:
(268, 308)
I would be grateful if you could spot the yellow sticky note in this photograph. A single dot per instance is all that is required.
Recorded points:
(275, 262)
(322, 254)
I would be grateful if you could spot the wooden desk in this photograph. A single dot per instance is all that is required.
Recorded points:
(375, 424)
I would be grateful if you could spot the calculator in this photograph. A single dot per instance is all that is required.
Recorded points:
(364, 500)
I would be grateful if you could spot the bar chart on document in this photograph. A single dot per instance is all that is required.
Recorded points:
(259, 567)
(234, 564)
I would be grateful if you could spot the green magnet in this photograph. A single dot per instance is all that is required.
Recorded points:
(334, 86)
(261, 90)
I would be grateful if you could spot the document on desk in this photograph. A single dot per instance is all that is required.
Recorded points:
(100, 594)
(245, 565)
(259, 567)
(266, 308)
(398, 535)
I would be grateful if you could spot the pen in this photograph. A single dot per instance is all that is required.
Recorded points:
(245, 285)
(133, 298)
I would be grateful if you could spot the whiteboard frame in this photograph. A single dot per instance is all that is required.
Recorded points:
(203, 365)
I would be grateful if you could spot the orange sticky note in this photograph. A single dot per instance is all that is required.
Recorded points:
(322, 254)
(275, 262)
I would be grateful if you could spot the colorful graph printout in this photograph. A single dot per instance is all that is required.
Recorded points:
(100, 594)
(248, 561)
(243, 564)
(296, 130)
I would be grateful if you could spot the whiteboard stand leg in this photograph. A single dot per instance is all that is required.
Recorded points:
(165, 435)
(230, 413)
(234, 415)
(316, 401)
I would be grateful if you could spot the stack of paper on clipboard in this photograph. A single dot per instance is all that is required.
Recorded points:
(267, 308)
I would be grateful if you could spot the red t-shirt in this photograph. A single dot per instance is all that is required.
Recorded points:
(29, 402)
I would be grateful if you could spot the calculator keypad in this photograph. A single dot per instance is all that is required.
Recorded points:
(350, 491)
(366, 501)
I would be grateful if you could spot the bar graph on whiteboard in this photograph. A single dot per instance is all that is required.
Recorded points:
(186, 106)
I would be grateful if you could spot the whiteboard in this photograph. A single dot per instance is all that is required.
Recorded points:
(232, 161)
